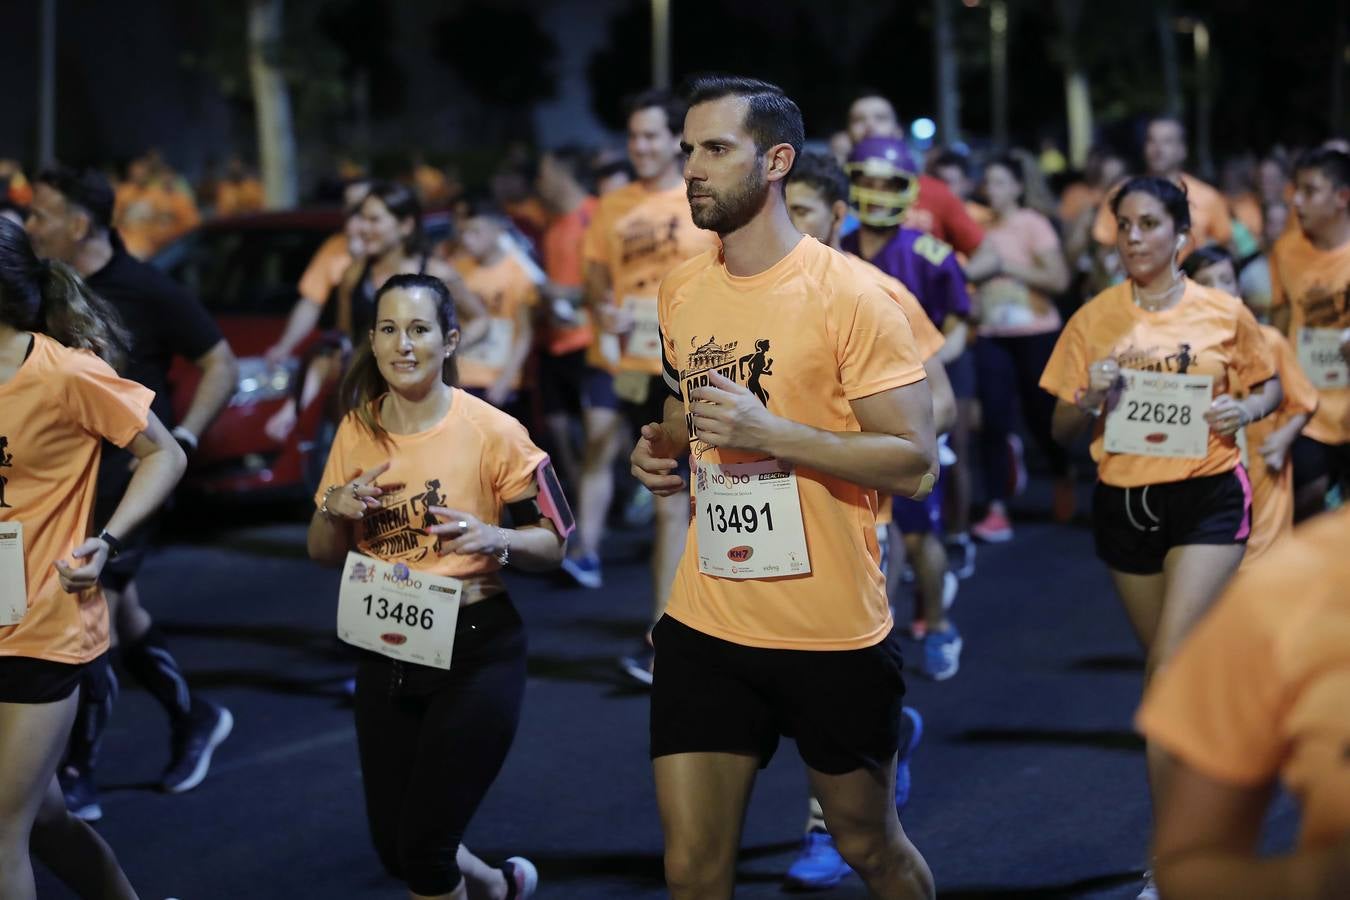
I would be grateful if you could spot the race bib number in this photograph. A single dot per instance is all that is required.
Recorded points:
(1319, 354)
(398, 612)
(749, 521)
(494, 350)
(1161, 414)
(13, 591)
(644, 341)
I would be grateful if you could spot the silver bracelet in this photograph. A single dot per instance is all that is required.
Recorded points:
(323, 507)
(504, 556)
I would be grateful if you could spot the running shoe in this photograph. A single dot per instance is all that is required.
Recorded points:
(950, 583)
(1017, 466)
(994, 528)
(639, 666)
(1150, 889)
(942, 653)
(641, 509)
(192, 748)
(522, 878)
(961, 555)
(80, 793)
(818, 864)
(584, 570)
(902, 781)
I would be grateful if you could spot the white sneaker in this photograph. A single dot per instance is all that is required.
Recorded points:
(949, 585)
(1150, 891)
(522, 878)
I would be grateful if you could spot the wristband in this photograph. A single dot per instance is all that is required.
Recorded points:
(114, 545)
(184, 437)
(925, 486)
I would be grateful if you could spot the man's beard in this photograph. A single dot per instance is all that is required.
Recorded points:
(733, 210)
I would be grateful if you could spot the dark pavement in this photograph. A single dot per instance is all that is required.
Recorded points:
(1029, 782)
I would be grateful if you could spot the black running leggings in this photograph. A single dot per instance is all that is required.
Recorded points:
(433, 741)
(1008, 377)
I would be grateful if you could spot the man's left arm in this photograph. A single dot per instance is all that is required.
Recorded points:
(220, 376)
(895, 452)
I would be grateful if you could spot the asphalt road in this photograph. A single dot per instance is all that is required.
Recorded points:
(1029, 782)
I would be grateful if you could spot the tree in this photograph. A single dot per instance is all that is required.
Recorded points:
(272, 104)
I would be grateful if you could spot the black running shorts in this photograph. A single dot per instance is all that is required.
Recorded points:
(1134, 528)
(713, 696)
(26, 679)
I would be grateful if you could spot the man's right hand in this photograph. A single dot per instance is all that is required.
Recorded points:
(654, 462)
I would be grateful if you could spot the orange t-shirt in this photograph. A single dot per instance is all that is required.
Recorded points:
(565, 267)
(926, 336)
(150, 217)
(325, 270)
(807, 336)
(639, 236)
(1207, 333)
(1261, 687)
(1209, 216)
(477, 459)
(1273, 492)
(1005, 307)
(1077, 199)
(1316, 285)
(60, 406)
(238, 197)
(505, 288)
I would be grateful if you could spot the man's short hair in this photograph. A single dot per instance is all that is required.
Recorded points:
(822, 172)
(658, 98)
(575, 160)
(950, 159)
(86, 188)
(1169, 118)
(867, 92)
(1332, 163)
(771, 117)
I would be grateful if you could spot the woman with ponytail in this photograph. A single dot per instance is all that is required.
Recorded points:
(421, 475)
(60, 398)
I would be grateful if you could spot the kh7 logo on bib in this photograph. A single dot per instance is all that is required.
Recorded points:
(749, 369)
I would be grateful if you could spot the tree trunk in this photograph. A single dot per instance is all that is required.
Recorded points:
(998, 70)
(1204, 102)
(1339, 52)
(1077, 96)
(948, 94)
(272, 105)
(1165, 22)
(47, 87)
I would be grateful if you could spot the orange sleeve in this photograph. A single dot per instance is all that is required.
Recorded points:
(1299, 394)
(877, 350)
(1217, 704)
(316, 284)
(514, 459)
(1104, 226)
(595, 245)
(1277, 295)
(102, 403)
(1066, 373)
(1252, 357)
(337, 469)
(1220, 221)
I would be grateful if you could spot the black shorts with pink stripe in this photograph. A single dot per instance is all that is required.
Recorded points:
(1134, 528)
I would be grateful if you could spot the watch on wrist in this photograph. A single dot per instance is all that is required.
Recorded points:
(503, 556)
(114, 545)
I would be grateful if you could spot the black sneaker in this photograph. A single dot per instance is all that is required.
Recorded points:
(192, 748)
(80, 793)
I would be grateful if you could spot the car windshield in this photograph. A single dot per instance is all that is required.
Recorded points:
(241, 272)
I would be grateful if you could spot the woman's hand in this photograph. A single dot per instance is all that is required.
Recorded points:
(1103, 376)
(1226, 415)
(464, 533)
(353, 499)
(73, 579)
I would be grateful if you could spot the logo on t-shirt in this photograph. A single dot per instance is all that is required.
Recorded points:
(1157, 359)
(6, 462)
(749, 369)
(397, 529)
(1324, 308)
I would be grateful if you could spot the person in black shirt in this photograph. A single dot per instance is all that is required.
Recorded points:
(70, 220)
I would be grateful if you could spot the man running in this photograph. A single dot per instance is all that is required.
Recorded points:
(638, 235)
(778, 621)
(70, 220)
(1310, 298)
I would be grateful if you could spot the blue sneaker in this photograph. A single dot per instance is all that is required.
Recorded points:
(818, 866)
(941, 653)
(584, 570)
(902, 759)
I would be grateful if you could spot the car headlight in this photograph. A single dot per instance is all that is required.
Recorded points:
(259, 381)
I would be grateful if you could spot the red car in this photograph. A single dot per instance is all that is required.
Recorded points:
(245, 270)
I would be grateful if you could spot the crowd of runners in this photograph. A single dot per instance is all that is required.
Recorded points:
(808, 365)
